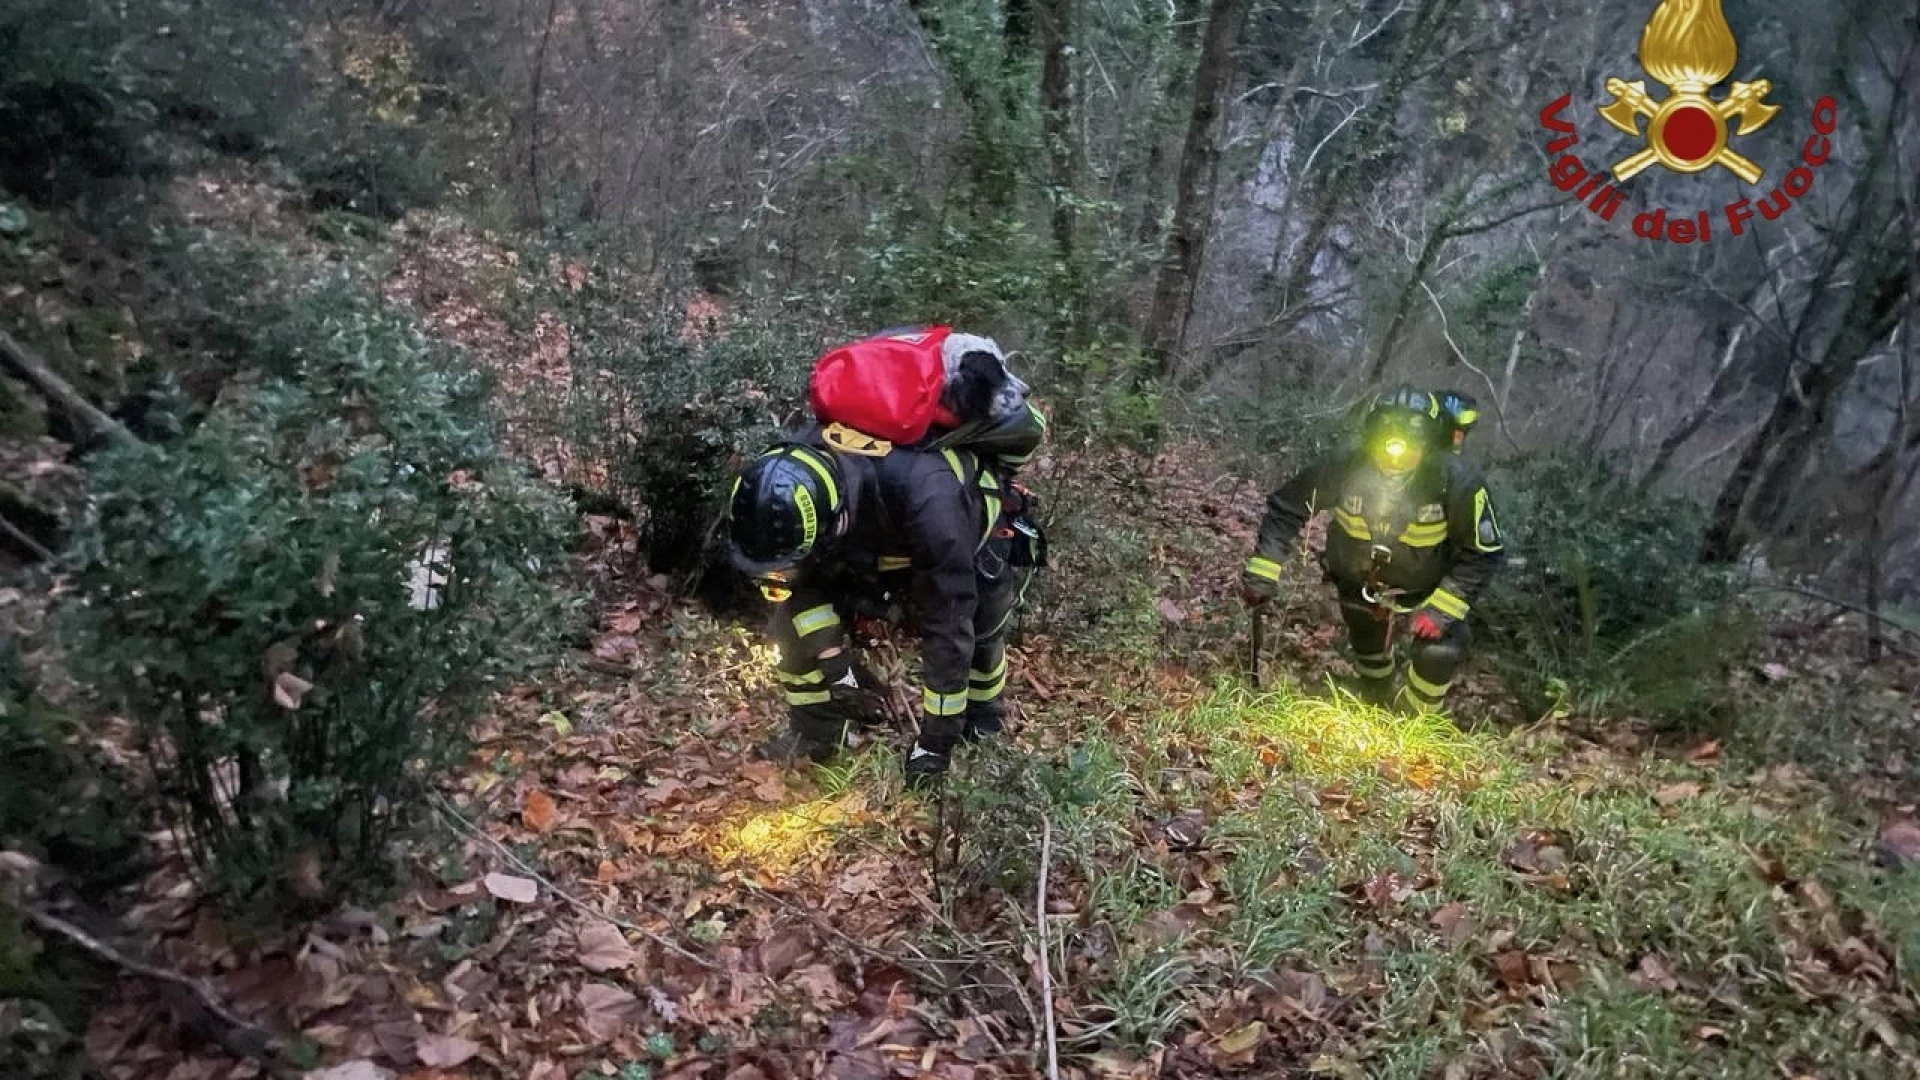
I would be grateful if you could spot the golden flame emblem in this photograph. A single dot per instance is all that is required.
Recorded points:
(1688, 46)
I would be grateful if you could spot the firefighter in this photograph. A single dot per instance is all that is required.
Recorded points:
(830, 529)
(1413, 535)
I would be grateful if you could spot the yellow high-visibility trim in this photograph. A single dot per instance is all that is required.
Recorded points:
(821, 469)
(1468, 417)
(1352, 524)
(1483, 513)
(1263, 568)
(890, 563)
(805, 678)
(1428, 535)
(938, 704)
(849, 441)
(1447, 603)
(993, 516)
(1374, 667)
(809, 520)
(953, 462)
(808, 697)
(1431, 691)
(776, 593)
(815, 619)
(999, 671)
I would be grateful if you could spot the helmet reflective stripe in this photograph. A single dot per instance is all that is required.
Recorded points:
(809, 521)
(823, 470)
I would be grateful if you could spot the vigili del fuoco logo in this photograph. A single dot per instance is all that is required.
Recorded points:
(1688, 48)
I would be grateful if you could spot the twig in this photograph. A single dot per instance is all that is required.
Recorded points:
(14, 533)
(1847, 605)
(1446, 332)
(31, 367)
(258, 1044)
(462, 825)
(1046, 975)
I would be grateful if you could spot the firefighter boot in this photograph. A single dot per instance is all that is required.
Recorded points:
(813, 732)
(984, 720)
(932, 751)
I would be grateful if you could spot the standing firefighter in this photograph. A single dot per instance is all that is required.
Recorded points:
(1413, 533)
(839, 523)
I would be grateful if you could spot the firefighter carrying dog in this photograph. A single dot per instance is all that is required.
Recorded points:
(901, 503)
(1412, 542)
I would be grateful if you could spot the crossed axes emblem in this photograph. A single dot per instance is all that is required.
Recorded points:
(1631, 102)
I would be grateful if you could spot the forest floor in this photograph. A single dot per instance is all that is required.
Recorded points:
(1277, 882)
(1263, 882)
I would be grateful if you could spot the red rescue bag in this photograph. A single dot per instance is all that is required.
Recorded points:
(887, 387)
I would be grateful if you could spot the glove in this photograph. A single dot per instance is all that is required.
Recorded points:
(1429, 622)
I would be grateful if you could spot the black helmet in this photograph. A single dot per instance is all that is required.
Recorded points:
(1401, 427)
(786, 506)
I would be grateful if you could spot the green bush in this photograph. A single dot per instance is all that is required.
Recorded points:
(302, 601)
(673, 417)
(1602, 593)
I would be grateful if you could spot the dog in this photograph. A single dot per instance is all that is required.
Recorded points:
(978, 384)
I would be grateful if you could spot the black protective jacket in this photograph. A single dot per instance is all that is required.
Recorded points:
(1441, 540)
(923, 515)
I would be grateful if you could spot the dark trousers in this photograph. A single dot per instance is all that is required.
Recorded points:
(1433, 662)
(812, 623)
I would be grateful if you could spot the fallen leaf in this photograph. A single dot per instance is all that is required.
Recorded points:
(1669, 794)
(289, 690)
(444, 1051)
(607, 1009)
(604, 948)
(1452, 922)
(1775, 672)
(1653, 974)
(1388, 889)
(607, 872)
(1240, 1043)
(517, 890)
(1326, 1064)
(1899, 844)
(352, 1070)
(1512, 966)
(1170, 611)
(1705, 752)
(537, 812)
(557, 720)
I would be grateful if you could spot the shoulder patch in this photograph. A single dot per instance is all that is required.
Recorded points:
(1430, 513)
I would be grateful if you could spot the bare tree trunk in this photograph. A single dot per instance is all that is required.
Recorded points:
(1695, 420)
(1056, 27)
(1193, 199)
(533, 116)
(1152, 187)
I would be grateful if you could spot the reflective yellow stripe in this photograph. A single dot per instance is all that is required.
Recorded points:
(1486, 528)
(1428, 535)
(805, 678)
(938, 704)
(779, 594)
(1038, 416)
(1431, 691)
(953, 462)
(987, 685)
(1374, 667)
(889, 563)
(816, 619)
(808, 697)
(809, 520)
(1263, 568)
(993, 515)
(819, 466)
(1468, 417)
(1352, 524)
(1446, 602)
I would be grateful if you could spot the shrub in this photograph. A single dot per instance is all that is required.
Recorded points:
(1602, 591)
(672, 416)
(301, 602)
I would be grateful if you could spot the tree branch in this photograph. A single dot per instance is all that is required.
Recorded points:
(35, 370)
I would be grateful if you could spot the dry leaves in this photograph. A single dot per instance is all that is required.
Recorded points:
(444, 1051)
(604, 948)
(607, 1009)
(514, 890)
(537, 812)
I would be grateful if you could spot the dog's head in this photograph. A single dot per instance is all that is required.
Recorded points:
(978, 384)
